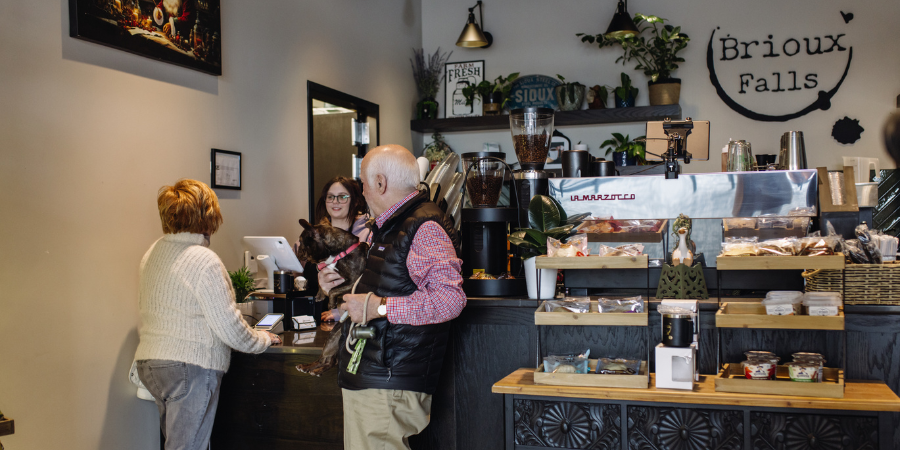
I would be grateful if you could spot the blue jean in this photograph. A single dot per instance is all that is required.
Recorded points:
(187, 396)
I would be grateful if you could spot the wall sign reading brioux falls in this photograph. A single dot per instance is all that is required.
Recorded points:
(750, 73)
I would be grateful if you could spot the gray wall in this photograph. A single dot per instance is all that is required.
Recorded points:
(87, 136)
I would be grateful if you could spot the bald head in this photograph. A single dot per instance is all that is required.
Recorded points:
(389, 173)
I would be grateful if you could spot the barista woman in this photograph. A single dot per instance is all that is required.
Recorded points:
(189, 321)
(343, 206)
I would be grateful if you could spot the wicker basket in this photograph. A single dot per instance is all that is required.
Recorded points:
(860, 284)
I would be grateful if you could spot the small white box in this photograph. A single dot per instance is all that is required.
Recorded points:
(675, 367)
(304, 322)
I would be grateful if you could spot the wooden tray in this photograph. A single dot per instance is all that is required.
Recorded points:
(592, 262)
(647, 237)
(753, 315)
(542, 317)
(639, 381)
(780, 262)
(731, 379)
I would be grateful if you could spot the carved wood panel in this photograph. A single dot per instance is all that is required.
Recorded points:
(661, 428)
(567, 424)
(807, 432)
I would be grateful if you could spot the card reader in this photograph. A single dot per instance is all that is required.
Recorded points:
(271, 323)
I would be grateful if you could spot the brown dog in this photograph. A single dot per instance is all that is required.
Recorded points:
(323, 244)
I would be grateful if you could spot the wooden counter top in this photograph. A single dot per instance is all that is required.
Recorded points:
(858, 395)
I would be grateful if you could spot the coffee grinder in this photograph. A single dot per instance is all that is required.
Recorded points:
(532, 129)
(485, 227)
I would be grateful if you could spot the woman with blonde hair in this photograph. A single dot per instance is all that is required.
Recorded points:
(189, 321)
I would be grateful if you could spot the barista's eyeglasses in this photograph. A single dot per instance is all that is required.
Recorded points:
(337, 199)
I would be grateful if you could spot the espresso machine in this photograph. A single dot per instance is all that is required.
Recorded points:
(485, 225)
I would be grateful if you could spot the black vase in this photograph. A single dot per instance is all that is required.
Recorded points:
(427, 109)
(622, 159)
(492, 103)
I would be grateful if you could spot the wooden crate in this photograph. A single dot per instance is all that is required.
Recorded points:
(641, 380)
(640, 237)
(542, 317)
(872, 284)
(731, 379)
(592, 262)
(753, 315)
(780, 262)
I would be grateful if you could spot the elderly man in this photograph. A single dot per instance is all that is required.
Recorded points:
(413, 284)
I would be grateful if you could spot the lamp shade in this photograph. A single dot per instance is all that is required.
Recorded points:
(622, 24)
(471, 35)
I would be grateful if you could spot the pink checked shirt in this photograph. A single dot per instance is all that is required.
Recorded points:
(434, 267)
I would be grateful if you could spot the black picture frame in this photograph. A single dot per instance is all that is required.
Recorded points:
(222, 169)
(136, 26)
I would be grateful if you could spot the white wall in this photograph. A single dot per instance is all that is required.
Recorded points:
(87, 136)
(538, 37)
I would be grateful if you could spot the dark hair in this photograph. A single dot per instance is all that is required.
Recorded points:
(357, 204)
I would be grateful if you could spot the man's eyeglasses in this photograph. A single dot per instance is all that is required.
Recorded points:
(337, 198)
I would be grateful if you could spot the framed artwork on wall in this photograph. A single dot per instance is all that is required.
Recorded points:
(225, 169)
(458, 76)
(182, 32)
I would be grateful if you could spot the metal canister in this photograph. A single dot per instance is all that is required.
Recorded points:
(678, 330)
(284, 281)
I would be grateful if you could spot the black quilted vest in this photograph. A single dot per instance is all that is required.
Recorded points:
(403, 357)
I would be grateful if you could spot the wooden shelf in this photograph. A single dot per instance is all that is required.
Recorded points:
(780, 262)
(561, 119)
(592, 262)
(753, 315)
(542, 317)
(858, 396)
(731, 379)
(7, 426)
(640, 380)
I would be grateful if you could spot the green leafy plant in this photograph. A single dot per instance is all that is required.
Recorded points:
(546, 218)
(501, 84)
(656, 55)
(603, 92)
(621, 143)
(568, 89)
(242, 283)
(626, 90)
(428, 73)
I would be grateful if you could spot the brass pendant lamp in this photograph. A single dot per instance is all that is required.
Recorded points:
(622, 24)
(472, 35)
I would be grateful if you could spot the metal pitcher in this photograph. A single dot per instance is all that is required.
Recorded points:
(793, 151)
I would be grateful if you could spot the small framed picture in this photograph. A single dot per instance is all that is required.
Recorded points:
(225, 169)
(458, 76)
(558, 144)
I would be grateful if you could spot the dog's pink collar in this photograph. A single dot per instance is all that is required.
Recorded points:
(337, 258)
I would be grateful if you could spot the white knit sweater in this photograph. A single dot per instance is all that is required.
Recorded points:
(187, 306)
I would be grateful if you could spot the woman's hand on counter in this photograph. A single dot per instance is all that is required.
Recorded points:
(274, 338)
(331, 315)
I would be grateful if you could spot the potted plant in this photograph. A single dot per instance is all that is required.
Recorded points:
(596, 96)
(243, 285)
(569, 95)
(657, 55)
(625, 151)
(494, 95)
(546, 218)
(428, 75)
(626, 93)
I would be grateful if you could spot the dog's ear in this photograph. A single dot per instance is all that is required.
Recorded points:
(305, 224)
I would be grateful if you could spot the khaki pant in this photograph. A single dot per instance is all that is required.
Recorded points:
(382, 419)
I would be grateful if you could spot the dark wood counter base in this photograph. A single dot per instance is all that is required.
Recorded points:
(538, 416)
